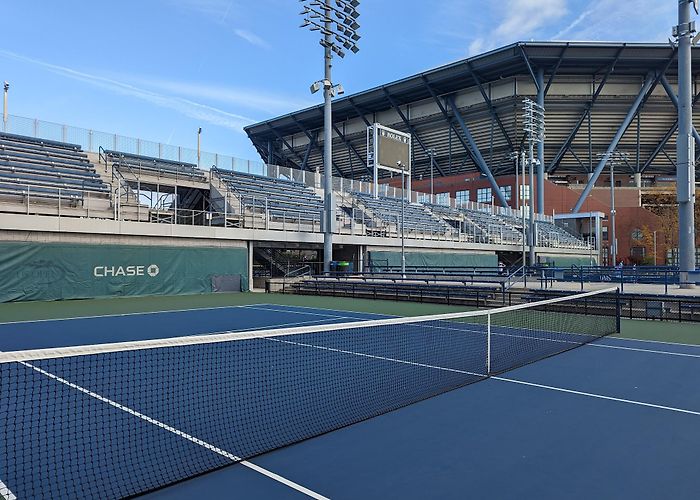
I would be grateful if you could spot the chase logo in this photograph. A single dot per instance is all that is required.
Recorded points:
(114, 271)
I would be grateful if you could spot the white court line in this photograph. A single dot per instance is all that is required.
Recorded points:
(6, 493)
(527, 337)
(188, 437)
(611, 337)
(639, 349)
(30, 321)
(329, 316)
(501, 379)
(697, 346)
(381, 358)
(496, 327)
(326, 309)
(598, 396)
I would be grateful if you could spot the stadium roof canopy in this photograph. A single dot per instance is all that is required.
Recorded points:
(590, 88)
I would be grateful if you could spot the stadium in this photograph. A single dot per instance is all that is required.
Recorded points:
(464, 264)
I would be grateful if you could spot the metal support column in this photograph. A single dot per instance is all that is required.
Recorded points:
(685, 146)
(328, 152)
(531, 225)
(476, 154)
(616, 139)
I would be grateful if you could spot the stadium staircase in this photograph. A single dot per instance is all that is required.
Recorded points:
(273, 260)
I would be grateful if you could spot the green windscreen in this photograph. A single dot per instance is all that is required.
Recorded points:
(40, 271)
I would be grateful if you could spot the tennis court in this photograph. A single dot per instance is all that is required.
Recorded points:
(370, 407)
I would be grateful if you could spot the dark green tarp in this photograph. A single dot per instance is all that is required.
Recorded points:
(566, 260)
(432, 259)
(41, 271)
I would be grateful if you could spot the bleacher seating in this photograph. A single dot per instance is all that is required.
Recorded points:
(497, 226)
(456, 218)
(46, 169)
(416, 217)
(551, 235)
(138, 165)
(281, 198)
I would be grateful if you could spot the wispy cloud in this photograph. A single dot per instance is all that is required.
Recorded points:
(218, 9)
(180, 105)
(641, 20)
(573, 24)
(251, 38)
(523, 20)
(220, 12)
(268, 103)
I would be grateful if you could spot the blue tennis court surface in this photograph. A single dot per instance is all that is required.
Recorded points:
(612, 419)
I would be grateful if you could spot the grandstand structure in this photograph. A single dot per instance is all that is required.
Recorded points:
(120, 208)
(598, 97)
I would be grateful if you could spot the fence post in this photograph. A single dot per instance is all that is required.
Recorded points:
(618, 312)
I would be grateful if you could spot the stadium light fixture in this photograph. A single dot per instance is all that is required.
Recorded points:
(613, 158)
(533, 126)
(339, 29)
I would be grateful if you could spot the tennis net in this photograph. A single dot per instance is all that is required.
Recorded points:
(117, 420)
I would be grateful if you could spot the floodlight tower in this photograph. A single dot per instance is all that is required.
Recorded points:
(685, 144)
(533, 126)
(614, 158)
(339, 29)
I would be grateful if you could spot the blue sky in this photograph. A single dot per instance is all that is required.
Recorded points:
(159, 69)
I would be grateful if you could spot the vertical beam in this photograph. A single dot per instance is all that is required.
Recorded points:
(328, 202)
(540, 145)
(306, 154)
(476, 154)
(615, 141)
(685, 147)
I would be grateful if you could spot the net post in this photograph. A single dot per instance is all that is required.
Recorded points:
(488, 344)
(618, 311)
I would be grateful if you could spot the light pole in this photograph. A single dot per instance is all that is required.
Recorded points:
(655, 260)
(431, 154)
(339, 26)
(533, 126)
(403, 210)
(6, 88)
(515, 157)
(685, 144)
(613, 158)
(199, 147)
(522, 207)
